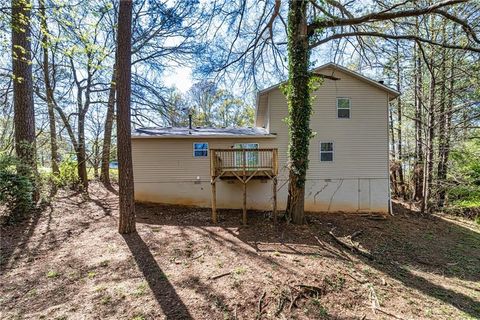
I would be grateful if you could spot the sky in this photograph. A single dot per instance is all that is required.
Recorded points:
(179, 77)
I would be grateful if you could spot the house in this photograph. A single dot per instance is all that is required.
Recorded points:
(349, 154)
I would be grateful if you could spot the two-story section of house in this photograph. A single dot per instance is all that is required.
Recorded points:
(348, 161)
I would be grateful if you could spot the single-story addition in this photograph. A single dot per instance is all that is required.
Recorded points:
(348, 161)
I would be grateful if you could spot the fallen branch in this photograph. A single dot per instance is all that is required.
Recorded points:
(198, 256)
(294, 302)
(349, 246)
(281, 303)
(356, 279)
(314, 289)
(355, 234)
(220, 275)
(373, 296)
(260, 305)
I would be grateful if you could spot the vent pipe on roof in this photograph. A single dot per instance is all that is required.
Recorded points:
(381, 82)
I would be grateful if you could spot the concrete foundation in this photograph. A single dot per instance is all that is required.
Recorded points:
(322, 195)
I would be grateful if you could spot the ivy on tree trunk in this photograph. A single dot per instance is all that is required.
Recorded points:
(299, 107)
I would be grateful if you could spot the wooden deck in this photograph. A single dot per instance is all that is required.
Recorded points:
(244, 165)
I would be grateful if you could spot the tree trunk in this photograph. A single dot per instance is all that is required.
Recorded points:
(445, 124)
(393, 162)
(24, 114)
(81, 153)
(401, 181)
(442, 128)
(299, 107)
(124, 147)
(49, 92)
(107, 134)
(428, 176)
(418, 165)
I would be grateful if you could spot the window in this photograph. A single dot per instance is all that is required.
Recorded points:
(251, 157)
(326, 151)
(343, 108)
(200, 149)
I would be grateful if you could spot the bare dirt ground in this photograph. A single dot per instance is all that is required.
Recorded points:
(69, 262)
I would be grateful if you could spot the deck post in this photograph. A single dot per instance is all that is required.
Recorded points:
(274, 180)
(244, 203)
(214, 201)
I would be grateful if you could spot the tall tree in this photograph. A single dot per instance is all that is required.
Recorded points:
(418, 102)
(444, 120)
(401, 180)
(24, 115)
(124, 147)
(299, 106)
(49, 89)
(107, 133)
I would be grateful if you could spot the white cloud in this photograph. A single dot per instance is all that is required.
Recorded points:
(179, 77)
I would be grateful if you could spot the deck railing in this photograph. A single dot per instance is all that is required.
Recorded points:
(243, 161)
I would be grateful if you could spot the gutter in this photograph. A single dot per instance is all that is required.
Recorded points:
(269, 136)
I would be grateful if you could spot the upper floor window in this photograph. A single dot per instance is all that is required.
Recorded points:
(343, 108)
(326, 151)
(200, 149)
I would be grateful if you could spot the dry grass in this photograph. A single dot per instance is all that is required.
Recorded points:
(68, 262)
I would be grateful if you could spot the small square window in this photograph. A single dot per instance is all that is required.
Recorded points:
(343, 108)
(200, 149)
(326, 151)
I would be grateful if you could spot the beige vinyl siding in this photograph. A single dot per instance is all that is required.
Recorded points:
(261, 119)
(162, 160)
(360, 142)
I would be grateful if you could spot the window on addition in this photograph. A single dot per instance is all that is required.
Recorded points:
(326, 151)
(343, 108)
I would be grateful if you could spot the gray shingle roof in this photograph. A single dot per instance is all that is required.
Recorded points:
(200, 132)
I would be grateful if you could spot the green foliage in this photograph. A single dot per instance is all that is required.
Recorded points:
(465, 196)
(465, 174)
(15, 189)
(68, 176)
(52, 274)
(467, 162)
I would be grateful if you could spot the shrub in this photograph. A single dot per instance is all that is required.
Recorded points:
(15, 189)
(68, 176)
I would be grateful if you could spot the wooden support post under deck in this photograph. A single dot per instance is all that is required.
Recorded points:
(274, 180)
(214, 201)
(244, 203)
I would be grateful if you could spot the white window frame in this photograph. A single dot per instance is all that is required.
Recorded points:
(332, 152)
(349, 107)
(208, 150)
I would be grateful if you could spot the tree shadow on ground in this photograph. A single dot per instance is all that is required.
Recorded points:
(16, 238)
(400, 245)
(165, 294)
